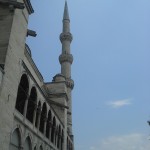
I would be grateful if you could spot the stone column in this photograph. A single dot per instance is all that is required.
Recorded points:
(59, 140)
(45, 121)
(50, 130)
(34, 114)
(56, 135)
(39, 117)
(25, 107)
(62, 143)
(54, 128)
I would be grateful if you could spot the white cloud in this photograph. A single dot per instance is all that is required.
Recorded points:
(119, 103)
(125, 142)
(92, 148)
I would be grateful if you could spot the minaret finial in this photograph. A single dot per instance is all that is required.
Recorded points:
(66, 13)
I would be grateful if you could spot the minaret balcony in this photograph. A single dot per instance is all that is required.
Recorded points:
(65, 58)
(66, 37)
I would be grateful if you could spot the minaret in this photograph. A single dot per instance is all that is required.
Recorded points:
(66, 60)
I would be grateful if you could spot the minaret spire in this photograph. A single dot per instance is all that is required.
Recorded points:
(66, 13)
(66, 60)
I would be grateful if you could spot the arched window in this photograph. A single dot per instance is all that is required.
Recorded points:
(62, 140)
(48, 124)
(59, 137)
(22, 93)
(38, 113)
(41, 148)
(27, 145)
(43, 117)
(53, 130)
(15, 140)
(35, 148)
(31, 104)
(67, 144)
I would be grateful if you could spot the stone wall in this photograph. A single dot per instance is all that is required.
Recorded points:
(13, 29)
(6, 18)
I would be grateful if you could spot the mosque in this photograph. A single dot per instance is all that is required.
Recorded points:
(34, 115)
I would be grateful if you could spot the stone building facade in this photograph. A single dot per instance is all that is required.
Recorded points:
(34, 115)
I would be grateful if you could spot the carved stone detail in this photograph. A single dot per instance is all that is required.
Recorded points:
(70, 83)
(66, 37)
(65, 58)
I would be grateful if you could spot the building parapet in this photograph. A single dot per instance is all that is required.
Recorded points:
(28, 56)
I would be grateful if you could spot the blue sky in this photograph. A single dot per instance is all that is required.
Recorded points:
(111, 68)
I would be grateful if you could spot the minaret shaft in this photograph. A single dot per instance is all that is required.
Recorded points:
(66, 60)
(66, 69)
(66, 47)
(66, 26)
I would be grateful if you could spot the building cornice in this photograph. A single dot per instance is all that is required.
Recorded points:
(58, 104)
(12, 3)
(58, 95)
(29, 6)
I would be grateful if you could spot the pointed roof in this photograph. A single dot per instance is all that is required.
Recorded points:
(66, 13)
